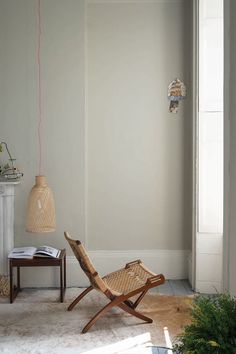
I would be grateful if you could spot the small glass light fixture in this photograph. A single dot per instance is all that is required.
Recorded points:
(9, 172)
(41, 209)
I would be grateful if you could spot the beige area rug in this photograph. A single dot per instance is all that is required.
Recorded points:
(37, 324)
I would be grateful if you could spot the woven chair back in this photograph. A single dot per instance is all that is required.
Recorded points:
(86, 264)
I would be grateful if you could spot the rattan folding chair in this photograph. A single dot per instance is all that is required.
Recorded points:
(118, 287)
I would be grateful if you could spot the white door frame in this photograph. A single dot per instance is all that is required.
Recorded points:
(206, 247)
(195, 137)
(226, 143)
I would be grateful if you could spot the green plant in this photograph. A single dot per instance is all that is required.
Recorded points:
(213, 327)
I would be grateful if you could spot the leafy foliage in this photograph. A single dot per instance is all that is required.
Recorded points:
(213, 327)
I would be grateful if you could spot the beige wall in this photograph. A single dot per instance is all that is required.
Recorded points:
(63, 107)
(122, 171)
(138, 172)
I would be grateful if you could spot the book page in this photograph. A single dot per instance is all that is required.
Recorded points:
(22, 252)
(47, 251)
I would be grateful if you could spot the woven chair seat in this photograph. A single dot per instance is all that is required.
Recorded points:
(128, 279)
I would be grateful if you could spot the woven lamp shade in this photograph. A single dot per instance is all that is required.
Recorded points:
(41, 210)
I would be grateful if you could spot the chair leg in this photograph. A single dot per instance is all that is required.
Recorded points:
(123, 306)
(135, 304)
(85, 292)
(133, 312)
(99, 314)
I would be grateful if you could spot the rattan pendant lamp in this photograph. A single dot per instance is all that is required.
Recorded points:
(41, 209)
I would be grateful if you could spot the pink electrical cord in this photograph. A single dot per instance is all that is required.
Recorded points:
(39, 87)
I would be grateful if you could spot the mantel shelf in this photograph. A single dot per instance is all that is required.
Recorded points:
(4, 182)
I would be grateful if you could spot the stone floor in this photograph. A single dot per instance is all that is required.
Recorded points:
(174, 287)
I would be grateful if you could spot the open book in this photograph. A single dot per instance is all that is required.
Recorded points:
(31, 252)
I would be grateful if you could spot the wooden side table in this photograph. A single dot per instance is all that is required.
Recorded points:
(38, 262)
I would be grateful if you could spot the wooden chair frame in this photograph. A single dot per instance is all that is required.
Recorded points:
(117, 298)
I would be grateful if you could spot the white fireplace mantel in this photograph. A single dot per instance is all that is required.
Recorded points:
(7, 196)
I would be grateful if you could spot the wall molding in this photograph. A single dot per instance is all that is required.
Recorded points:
(227, 74)
(195, 51)
(172, 263)
(190, 267)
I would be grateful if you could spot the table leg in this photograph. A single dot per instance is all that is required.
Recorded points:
(61, 282)
(18, 278)
(11, 282)
(65, 272)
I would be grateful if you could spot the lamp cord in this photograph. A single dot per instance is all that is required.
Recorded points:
(39, 87)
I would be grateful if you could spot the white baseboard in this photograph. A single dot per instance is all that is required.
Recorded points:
(208, 287)
(211, 284)
(172, 263)
(209, 262)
